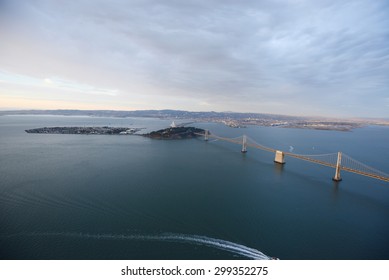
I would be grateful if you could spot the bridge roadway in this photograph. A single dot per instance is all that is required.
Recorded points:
(302, 157)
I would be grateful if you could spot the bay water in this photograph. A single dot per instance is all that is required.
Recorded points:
(131, 197)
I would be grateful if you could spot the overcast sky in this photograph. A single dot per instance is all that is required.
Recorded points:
(319, 57)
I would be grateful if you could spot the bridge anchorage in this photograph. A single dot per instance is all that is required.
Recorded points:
(339, 161)
(279, 157)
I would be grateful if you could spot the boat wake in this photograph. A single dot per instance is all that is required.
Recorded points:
(166, 237)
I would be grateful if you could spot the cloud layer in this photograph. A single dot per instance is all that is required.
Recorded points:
(320, 57)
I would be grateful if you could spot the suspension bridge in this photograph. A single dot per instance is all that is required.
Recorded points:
(339, 160)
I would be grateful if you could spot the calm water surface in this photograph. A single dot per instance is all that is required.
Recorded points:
(130, 197)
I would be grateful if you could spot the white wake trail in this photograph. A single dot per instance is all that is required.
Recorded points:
(168, 237)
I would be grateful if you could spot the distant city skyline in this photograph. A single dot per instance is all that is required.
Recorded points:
(311, 58)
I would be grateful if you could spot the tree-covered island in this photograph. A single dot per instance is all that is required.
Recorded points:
(175, 133)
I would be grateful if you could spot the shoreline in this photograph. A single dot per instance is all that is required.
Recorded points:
(290, 122)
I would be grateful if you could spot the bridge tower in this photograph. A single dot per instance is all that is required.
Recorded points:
(280, 157)
(206, 135)
(244, 144)
(337, 177)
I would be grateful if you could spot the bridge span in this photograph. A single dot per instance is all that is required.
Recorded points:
(339, 160)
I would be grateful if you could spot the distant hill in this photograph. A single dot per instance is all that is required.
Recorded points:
(146, 113)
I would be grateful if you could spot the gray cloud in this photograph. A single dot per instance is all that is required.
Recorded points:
(293, 57)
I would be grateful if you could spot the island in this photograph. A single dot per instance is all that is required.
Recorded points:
(104, 130)
(180, 132)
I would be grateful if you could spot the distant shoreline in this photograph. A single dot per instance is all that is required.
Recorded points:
(231, 119)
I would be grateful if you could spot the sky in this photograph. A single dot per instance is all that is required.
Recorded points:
(291, 57)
